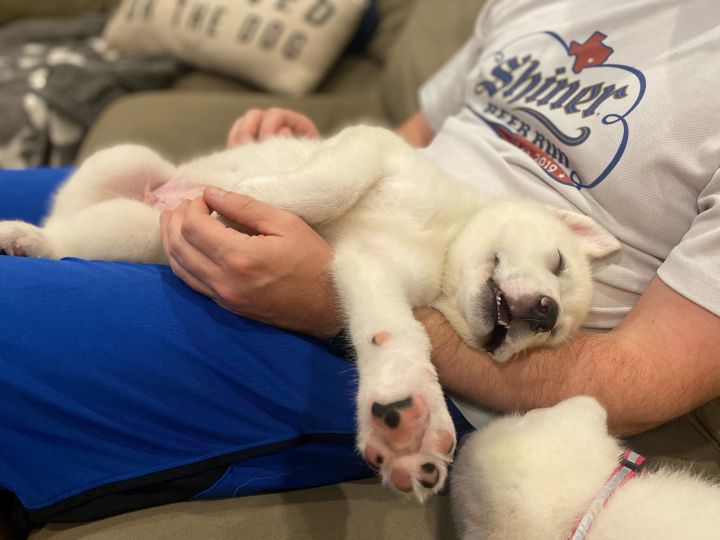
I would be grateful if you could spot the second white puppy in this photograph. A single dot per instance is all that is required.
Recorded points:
(556, 474)
(508, 276)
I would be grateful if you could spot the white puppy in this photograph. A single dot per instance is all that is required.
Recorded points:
(539, 476)
(507, 275)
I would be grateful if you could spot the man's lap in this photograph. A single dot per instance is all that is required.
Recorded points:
(116, 375)
(114, 371)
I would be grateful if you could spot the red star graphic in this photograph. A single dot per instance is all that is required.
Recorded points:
(591, 53)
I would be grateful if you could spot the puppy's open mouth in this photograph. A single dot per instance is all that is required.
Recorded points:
(501, 316)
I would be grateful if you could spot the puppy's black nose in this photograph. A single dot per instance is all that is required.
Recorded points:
(541, 314)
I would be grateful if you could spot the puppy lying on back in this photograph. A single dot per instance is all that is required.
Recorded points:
(507, 275)
(556, 474)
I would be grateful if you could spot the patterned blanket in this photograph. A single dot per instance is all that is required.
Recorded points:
(56, 75)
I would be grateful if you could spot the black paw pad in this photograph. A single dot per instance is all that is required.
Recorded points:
(389, 413)
(433, 475)
(428, 484)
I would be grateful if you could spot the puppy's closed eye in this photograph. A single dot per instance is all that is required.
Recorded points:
(560, 265)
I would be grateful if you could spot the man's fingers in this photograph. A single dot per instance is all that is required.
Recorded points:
(200, 244)
(188, 263)
(305, 127)
(246, 128)
(301, 125)
(273, 120)
(170, 222)
(194, 238)
(193, 282)
(260, 125)
(284, 122)
(183, 254)
(182, 239)
(243, 209)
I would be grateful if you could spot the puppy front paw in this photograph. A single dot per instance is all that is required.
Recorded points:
(410, 442)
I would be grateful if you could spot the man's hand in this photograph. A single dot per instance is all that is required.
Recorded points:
(258, 125)
(279, 275)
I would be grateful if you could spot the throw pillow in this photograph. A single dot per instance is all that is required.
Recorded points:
(284, 46)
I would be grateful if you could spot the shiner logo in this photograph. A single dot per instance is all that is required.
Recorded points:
(547, 98)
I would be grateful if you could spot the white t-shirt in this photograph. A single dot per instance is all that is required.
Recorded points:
(608, 108)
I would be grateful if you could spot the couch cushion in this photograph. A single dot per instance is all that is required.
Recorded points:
(691, 441)
(351, 75)
(285, 47)
(433, 32)
(393, 16)
(184, 124)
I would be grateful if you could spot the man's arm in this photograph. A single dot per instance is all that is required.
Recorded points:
(416, 130)
(662, 361)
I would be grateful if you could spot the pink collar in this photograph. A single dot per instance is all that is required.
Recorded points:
(631, 464)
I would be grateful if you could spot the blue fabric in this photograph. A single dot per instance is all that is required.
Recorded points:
(308, 465)
(25, 194)
(113, 371)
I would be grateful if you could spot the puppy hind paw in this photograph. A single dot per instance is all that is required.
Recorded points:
(20, 239)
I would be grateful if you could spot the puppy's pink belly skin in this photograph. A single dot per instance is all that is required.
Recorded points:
(171, 194)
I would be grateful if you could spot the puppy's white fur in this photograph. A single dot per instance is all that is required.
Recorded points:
(534, 476)
(404, 233)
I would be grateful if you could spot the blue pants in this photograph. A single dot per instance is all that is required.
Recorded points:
(121, 388)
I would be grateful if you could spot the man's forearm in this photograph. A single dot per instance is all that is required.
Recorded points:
(637, 393)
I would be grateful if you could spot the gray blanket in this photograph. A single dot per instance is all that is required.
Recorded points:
(56, 75)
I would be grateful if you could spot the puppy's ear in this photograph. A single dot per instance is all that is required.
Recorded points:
(595, 241)
(585, 409)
